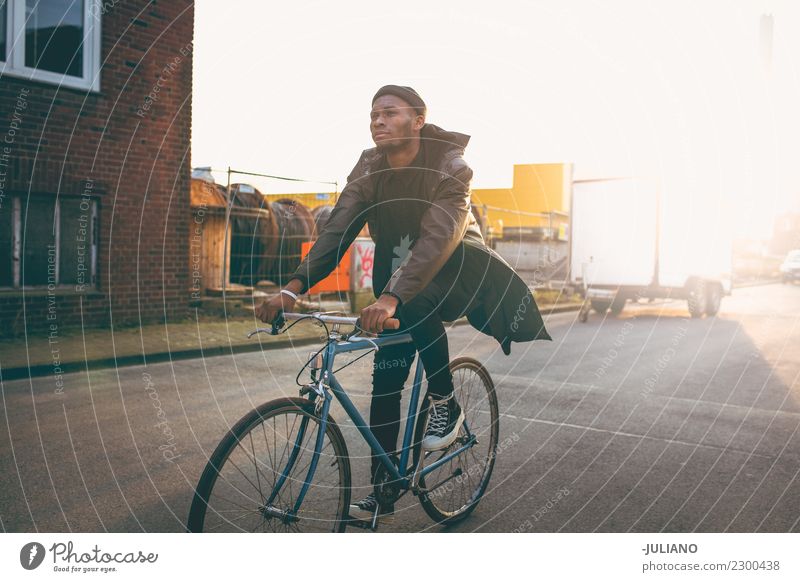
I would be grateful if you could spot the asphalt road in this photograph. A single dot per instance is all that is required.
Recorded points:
(649, 421)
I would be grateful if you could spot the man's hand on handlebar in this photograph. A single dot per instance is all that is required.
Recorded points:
(269, 309)
(373, 317)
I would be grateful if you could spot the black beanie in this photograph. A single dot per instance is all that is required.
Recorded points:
(407, 94)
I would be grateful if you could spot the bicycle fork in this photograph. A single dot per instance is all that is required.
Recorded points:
(321, 409)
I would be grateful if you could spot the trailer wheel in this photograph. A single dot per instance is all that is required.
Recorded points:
(697, 298)
(618, 304)
(713, 299)
(600, 305)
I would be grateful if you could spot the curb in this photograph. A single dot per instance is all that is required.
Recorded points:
(561, 309)
(40, 370)
(760, 283)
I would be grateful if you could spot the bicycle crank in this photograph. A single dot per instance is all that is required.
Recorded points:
(387, 489)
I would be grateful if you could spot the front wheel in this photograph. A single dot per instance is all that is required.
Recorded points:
(272, 443)
(457, 486)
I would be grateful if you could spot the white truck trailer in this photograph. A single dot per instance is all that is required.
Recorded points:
(629, 241)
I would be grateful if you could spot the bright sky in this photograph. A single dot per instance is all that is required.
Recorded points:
(674, 89)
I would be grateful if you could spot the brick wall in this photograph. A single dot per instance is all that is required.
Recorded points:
(131, 142)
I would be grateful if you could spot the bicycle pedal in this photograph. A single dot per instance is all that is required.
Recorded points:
(386, 519)
(351, 521)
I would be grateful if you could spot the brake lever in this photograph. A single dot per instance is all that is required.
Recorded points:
(277, 324)
(258, 330)
(357, 329)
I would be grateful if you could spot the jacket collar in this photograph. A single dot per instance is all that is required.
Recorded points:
(436, 138)
(448, 139)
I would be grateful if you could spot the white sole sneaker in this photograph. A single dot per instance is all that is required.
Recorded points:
(357, 513)
(364, 510)
(431, 443)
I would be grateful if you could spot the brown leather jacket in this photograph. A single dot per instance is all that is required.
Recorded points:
(447, 222)
(507, 311)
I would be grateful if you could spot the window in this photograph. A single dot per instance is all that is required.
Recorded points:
(56, 41)
(54, 36)
(48, 242)
(3, 27)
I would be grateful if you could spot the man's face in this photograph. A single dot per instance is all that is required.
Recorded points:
(393, 122)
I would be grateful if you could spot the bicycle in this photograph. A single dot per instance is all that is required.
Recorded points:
(257, 478)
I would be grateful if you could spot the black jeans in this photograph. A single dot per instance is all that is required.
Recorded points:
(451, 294)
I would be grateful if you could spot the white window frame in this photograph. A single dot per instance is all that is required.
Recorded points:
(14, 66)
(91, 256)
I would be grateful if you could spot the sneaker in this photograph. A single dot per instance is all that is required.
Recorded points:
(364, 510)
(444, 419)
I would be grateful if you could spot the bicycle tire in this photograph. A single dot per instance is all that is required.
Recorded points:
(213, 510)
(455, 499)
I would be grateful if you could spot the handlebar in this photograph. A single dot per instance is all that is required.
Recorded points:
(388, 323)
(283, 317)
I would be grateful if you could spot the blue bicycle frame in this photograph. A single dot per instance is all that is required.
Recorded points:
(327, 379)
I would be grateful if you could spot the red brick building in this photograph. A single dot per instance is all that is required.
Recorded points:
(94, 162)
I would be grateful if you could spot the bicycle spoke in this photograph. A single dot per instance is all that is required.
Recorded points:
(242, 493)
(302, 472)
(272, 463)
(255, 462)
(246, 479)
(288, 439)
(458, 493)
(255, 465)
(218, 513)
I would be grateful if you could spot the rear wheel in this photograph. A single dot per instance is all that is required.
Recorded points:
(713, 299)
(618, 304)
(458, 485)
(697, 298)
(234, 489)
(600, 305)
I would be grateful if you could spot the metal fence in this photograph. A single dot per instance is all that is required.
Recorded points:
(261, 249)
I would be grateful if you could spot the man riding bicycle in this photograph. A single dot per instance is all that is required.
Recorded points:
(431, 265)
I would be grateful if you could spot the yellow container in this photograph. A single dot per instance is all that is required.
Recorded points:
(537, 190)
